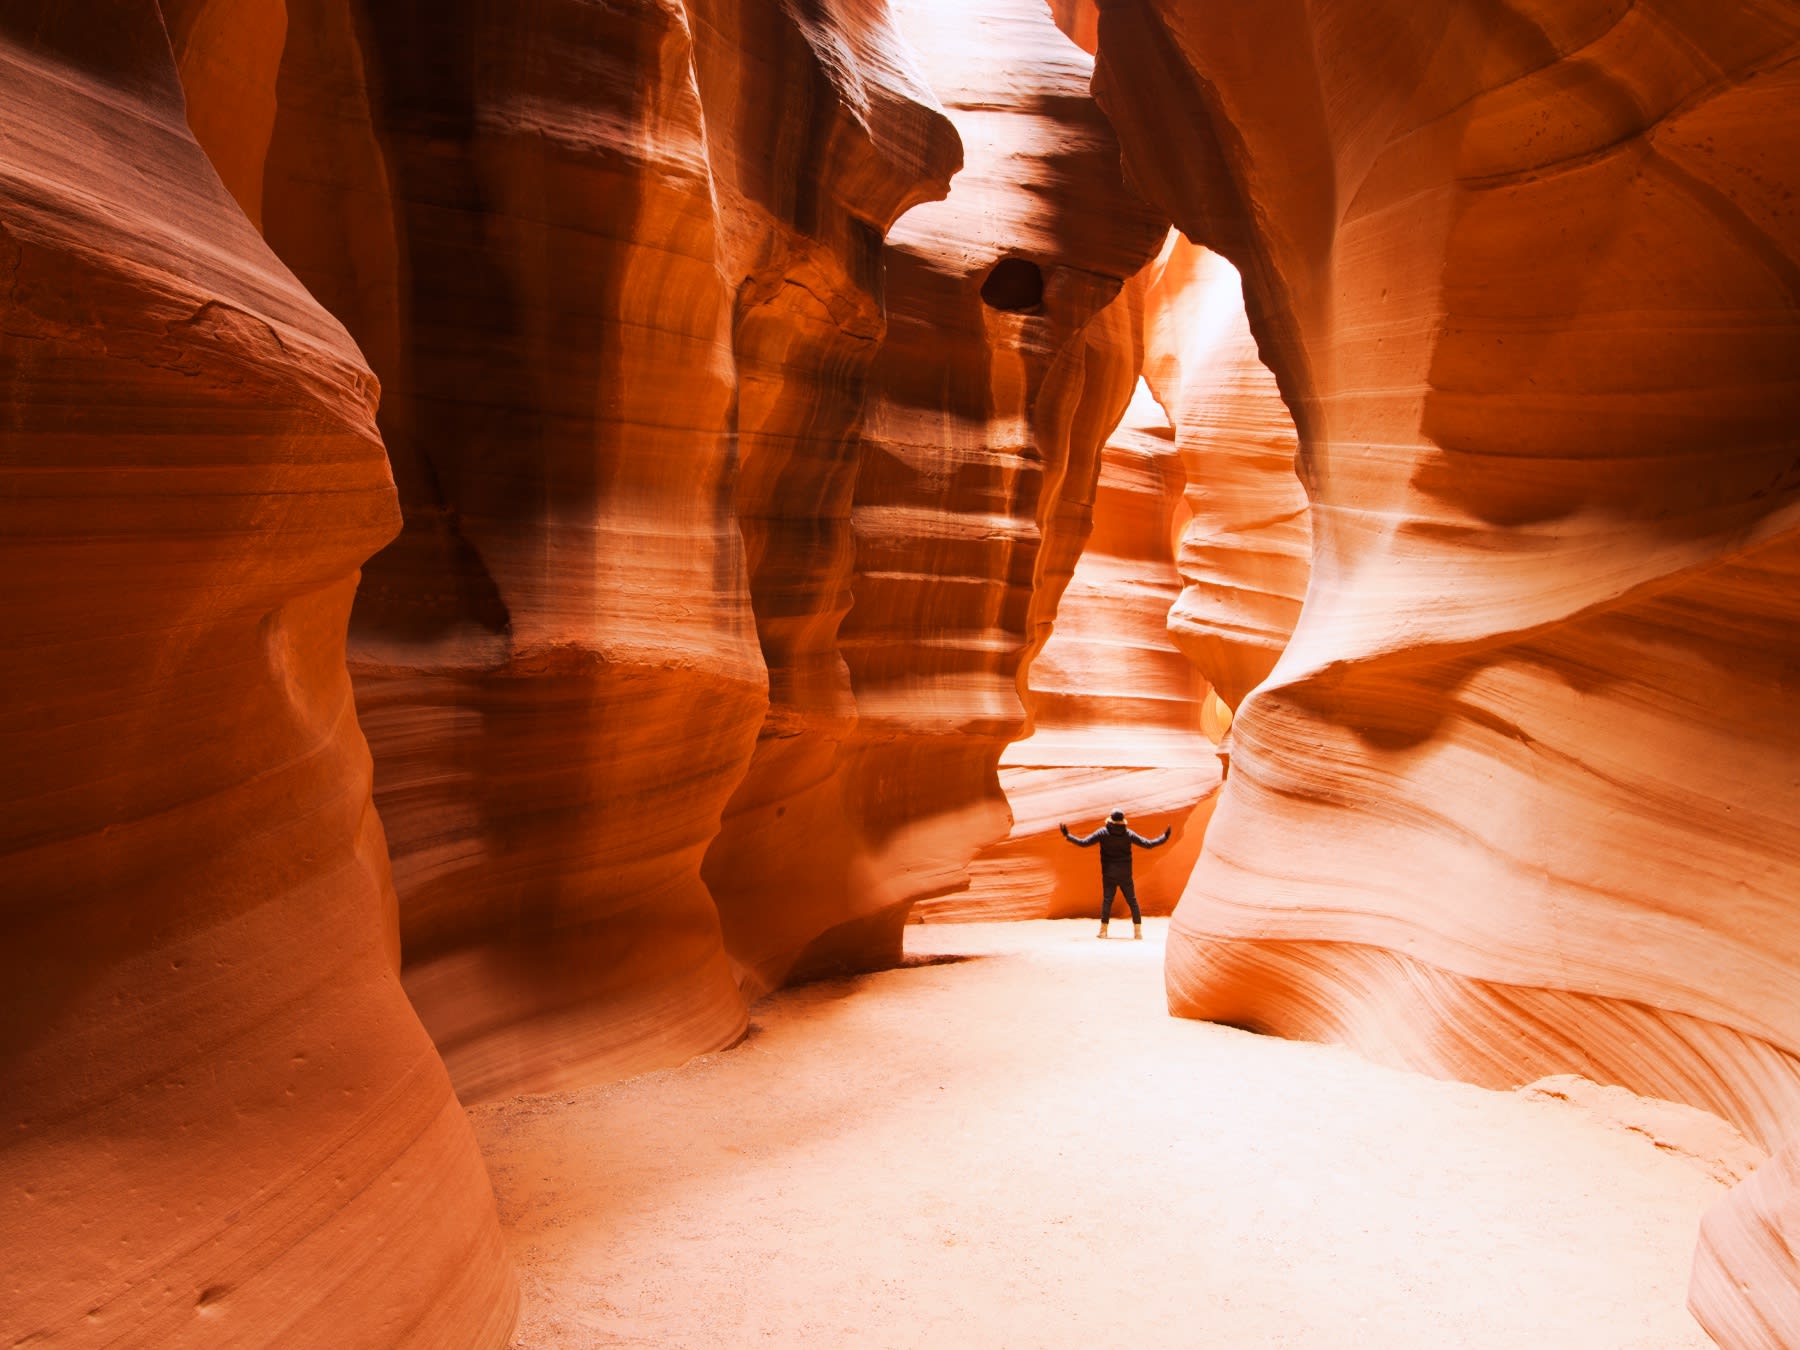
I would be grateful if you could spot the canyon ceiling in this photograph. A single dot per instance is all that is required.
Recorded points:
(528, 526)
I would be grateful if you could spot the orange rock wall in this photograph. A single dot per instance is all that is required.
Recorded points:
(1519, 796)
(810, 318)
(565, 618)
(1115, 707)
(974, 468)
(1246, 551)
(596, 263)
(220, 1111)
(1742, 1289)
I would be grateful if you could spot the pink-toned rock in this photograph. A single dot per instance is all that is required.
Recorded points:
(1011, 352)
(1742, 1290)
(1247, 548)
(223, 1123)
(1115, 708)
(1519, 796)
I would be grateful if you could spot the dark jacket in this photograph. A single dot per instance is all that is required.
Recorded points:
(1115, 842)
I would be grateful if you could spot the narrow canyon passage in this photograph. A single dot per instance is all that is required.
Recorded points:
(1023, 1149)
(535, 532)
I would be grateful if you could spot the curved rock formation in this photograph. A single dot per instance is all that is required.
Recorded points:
(536, 222)
(1115, 708)
(809, 196)
(1008, 355)
(556, 663)
(1247, 548)
(1742, 1290)
(223, 1122)
(1519, 796)
(1011, 352)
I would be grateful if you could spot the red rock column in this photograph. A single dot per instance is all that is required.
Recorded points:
(1519, 797)
(223, 1121)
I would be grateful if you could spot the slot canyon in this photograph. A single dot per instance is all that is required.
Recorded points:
(568, 561)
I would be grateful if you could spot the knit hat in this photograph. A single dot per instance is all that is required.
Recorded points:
(1118, 816)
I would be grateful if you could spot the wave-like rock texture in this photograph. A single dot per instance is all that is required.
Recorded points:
(1247, 548)
(223, 1123)
(1742, 1290)
(1519, 797)
(594, 253)
(1115, 708)
(556, 662)
(1010, 352)
(810, 202)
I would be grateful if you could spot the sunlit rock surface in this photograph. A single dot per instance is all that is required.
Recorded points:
(1743, 1285)
(974, 470)
(1247, 548)
(223, 1123)
(1115, 708)
(1520, 795)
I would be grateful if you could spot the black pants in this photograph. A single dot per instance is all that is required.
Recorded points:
(1119, 884)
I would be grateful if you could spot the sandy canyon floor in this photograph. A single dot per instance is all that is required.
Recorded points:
(1021, 1149)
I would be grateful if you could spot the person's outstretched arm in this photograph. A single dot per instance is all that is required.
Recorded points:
(1087, 841)
(1157, 842)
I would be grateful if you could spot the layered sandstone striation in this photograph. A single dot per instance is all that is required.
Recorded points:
(596, 260)
(1115, 708)
(1519, 796)
(1012, 349)
(809, 198)
(1743, 1283)
(1246, 550)
(223, 1122)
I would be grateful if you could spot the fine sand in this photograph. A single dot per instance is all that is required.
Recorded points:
(1023, 1149)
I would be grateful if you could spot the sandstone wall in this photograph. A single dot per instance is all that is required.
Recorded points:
(1519, 795)
(1743, 1282)
(556, 663)
(1115, 709)
(620, 273)
(1246, 551)
(597, 259)
(975, 468)
(220, 1110)
(810, 319)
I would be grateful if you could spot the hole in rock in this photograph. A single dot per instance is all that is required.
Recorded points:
(1016, 285)
(211, 1296)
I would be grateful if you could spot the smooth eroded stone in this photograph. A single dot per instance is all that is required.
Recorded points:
(222, 1121)
(1013, 344)
(556, 662)
(810, 186)
(1519, 796)
(1115, 708)
(1246, 550)
(1742, 1287)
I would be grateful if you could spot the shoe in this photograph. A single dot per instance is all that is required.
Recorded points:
(1102, 930)
(1137, 931)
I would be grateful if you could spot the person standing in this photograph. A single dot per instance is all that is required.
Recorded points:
(1116, 839)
